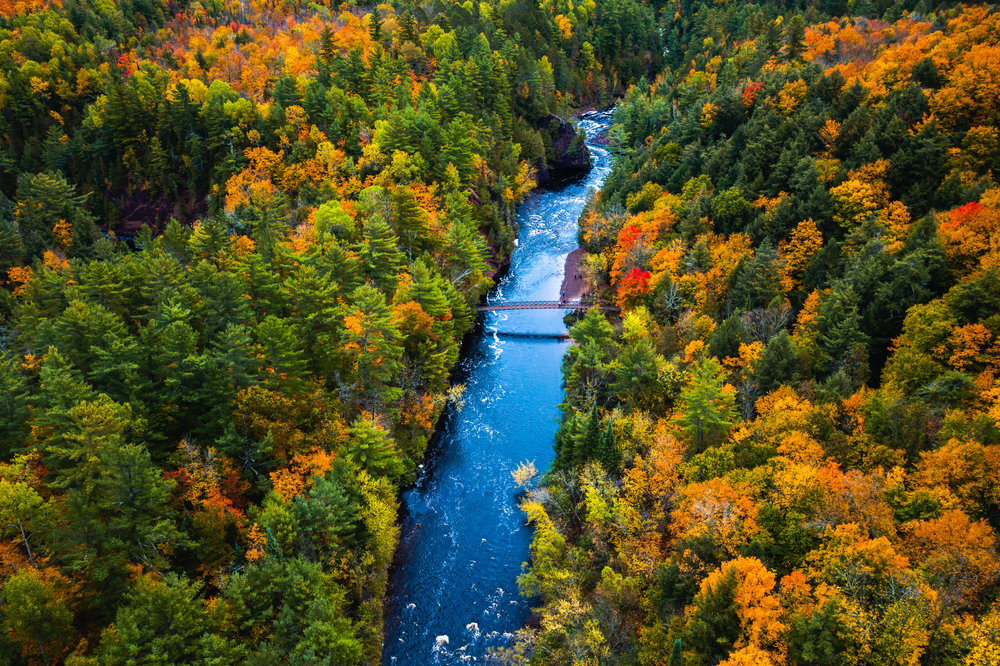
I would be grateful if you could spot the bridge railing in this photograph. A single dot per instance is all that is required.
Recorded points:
(544, 305)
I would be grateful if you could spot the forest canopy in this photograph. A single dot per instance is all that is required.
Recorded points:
(240, 245)
(784, 451)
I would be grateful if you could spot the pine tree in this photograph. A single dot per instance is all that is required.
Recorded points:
(340, 263)
(607, 450)
(166, 619)
(286, 92)
(175, 241)
(459, 144)
(311, 298)
(637, 379)
(795, 38)
(408, 28)
(267, 215)
(371, 448)
(714, 626)
(328, 515)
(132, 503)
(593, 327)
(409, 220)
(174, 364)
(375, 24)
(772, 38)
(369, 338)
(705, 409)
(379, 254)
(566, 438)
(160, 180)
(316, 104)
(281, 345)
(11, 248)
(778, 364)
(233, 356)
(586, 446)
(675, 655)
(327, 45)
(14, 411)
(356, 73)
(208, 238)
(45, 201)
(838, 324)
(727, 338)
(62, 388)
(259, 283)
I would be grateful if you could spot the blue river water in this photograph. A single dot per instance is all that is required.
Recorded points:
(453, 587)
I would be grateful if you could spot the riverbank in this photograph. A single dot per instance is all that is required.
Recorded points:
(573, 284)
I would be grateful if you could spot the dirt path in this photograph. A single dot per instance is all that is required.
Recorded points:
(573, 284)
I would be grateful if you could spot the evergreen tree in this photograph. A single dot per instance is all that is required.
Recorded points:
(51, 216)
(566, 437)
(207, 238)
(328, 515)
(369, 336)
(281, 346)
(310, 297)
(11, 248)
(638, 379)
(375, 24)
(594, 327)
(166, 620)
(408, 31)
(727, 338)
(714, 627)
(838, 324)
(588, 443)
(607, 451)
(778, 364)
(14, 410)
(675, 655)
(705, 410)
(409, 221)
(267, 215)
(371, 448)
(379, 254)
(328, 53)
(821, 639)
(294, 611)
(795, 37)
(772, 38)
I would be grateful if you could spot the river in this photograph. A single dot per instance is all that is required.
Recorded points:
(453, 587)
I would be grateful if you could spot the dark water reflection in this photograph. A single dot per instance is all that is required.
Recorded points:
(453, 590)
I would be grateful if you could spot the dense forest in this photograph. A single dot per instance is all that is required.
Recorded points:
(786, 449)
(239, 248)
(239, 245)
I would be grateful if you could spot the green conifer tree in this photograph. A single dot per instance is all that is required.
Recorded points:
(705, 411)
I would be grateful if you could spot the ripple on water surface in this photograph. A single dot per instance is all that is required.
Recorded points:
(453, 592)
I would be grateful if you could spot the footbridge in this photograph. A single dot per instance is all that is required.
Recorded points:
(545, 305)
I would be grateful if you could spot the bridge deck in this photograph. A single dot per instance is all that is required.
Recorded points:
(543, 305)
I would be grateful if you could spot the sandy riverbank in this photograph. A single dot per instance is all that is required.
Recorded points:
(573, 285)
